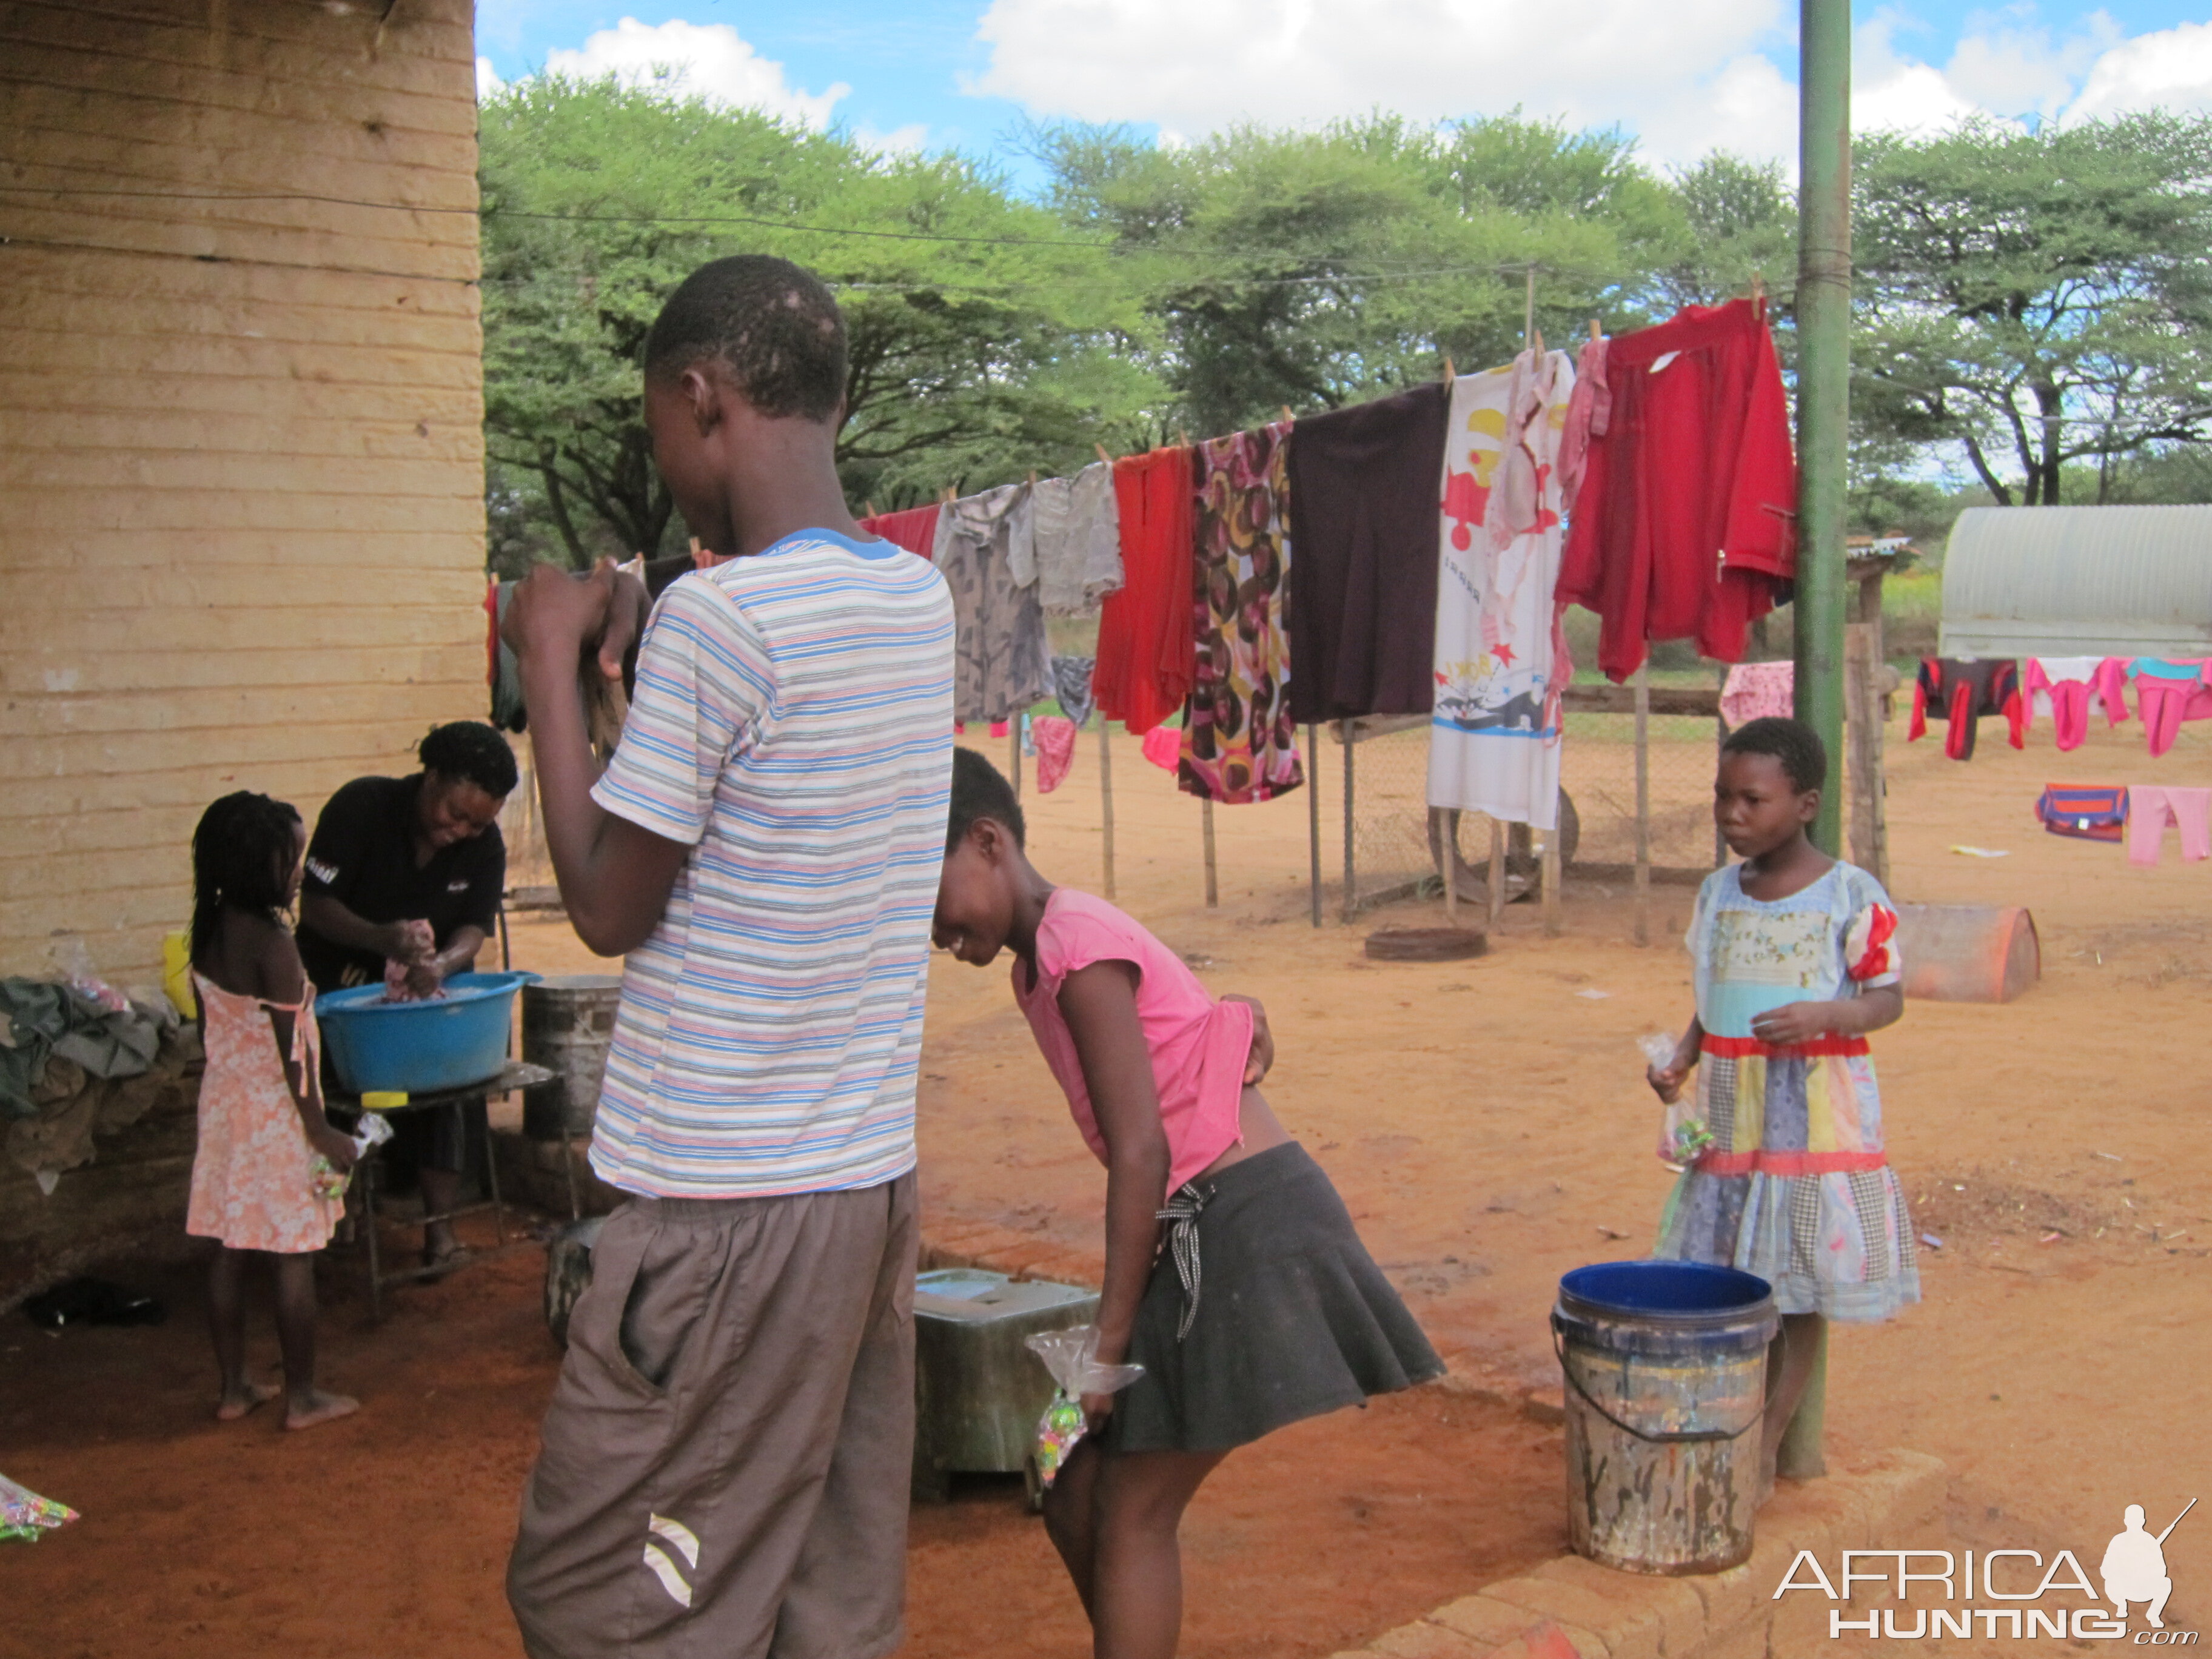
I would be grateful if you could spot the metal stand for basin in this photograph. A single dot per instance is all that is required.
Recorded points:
(516, 1075)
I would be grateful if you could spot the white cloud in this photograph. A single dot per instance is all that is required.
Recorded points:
(488, 81)
(1685, 73)
(1891, 92)
(2169, 68)
(711, 61)
(1685, 79)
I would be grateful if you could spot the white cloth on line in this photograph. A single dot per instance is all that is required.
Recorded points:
(1494, 736)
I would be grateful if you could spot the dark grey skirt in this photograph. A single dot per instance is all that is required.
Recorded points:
(1293, 1318)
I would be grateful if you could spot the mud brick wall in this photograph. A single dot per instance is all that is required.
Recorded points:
(241, 480)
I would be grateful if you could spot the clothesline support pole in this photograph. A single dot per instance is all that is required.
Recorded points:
(1313, 816)
(1206, 823)
(1643, 683)
(1823, 361)
(1014, 752)
(1549, 873)
(1106, 801)
(1496, 873)
(1350, 869)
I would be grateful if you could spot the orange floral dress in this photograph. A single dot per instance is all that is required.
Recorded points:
(252, 1175)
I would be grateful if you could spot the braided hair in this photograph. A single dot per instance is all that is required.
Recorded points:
(242, 857)
(473, 751)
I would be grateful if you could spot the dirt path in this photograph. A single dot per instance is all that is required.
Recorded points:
(1486, 1124)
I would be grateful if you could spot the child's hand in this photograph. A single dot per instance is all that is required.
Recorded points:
(1797, 1023)
(1097, 1408)
(1666, 1080)
(338, 1148)
(1261, 1060)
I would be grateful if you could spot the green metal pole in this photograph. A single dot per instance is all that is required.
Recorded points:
(1824, 367)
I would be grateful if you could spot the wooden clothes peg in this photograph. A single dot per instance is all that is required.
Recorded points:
(1183, 437)
(871, 506)
(1032, 477)
(1596, 333)
(1102, 454)
(1288, 419)
(1450, 374)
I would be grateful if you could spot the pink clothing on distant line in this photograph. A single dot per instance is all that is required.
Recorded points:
(2152, 807)
(1756, 690)
(1590, 413)
(1164, 747)
(1054, 737)
(1199, 1046)
(2165, 704)
(2064, 688)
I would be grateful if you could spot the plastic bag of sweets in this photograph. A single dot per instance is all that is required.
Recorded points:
(1683, 1136)
(24, 1515)
(1071, 1356)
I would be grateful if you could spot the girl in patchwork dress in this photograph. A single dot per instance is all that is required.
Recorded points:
(257, 1188)
(1794, 963)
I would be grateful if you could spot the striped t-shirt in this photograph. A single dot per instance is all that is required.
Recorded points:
(792, 723)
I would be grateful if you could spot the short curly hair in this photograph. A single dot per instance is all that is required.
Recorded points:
(473, 750)
(770, 322)
(1797, 746)
(979, 790)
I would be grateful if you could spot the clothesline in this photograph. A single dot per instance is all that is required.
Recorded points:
(1432, 541)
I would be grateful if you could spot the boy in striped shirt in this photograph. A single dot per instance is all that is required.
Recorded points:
(725, 1463)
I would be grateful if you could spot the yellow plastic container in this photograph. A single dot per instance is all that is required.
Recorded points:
(177, 972)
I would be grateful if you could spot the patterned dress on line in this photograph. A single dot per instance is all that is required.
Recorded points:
(252, 1173)
(1797, 1187)
(1239, 740)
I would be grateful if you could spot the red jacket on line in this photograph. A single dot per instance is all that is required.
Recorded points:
(1686, 520)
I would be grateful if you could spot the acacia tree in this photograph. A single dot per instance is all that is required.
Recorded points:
(986, 339)
(2040, 299)
(1313, 269)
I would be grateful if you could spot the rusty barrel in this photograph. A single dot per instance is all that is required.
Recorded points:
(1664, 1365)
(568, 1023)
(1967, 952)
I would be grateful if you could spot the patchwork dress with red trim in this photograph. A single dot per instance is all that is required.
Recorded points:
(1797, 1187)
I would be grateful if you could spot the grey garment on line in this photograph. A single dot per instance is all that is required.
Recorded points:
(724, 1469)
(1077, 544)
(1071, 684)
(999, 654)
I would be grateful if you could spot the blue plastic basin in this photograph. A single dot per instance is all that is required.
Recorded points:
(419, 1048)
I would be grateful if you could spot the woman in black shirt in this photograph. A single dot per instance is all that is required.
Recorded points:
(388, 852)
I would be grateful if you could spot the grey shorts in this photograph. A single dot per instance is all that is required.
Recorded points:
(724, 1469)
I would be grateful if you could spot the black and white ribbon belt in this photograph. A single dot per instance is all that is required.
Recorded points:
(1181, 1216)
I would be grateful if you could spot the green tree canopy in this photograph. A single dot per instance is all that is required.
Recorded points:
(2040, 299)
(983, 341)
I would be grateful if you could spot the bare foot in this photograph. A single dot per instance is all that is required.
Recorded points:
(319, 1408)
(235, 1405)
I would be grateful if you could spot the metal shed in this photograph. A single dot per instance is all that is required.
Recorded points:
(2047, 581)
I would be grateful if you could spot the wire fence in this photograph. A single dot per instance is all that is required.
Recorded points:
(1389, 846)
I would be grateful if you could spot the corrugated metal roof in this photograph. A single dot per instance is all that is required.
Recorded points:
(2048, 581)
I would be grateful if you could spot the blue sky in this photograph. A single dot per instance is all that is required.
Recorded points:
(1684, 78)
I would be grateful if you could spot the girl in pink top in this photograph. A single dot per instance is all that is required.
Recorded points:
(1254, 1305)
(261, 1122)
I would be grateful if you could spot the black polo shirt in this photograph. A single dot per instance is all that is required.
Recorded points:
(363, 856)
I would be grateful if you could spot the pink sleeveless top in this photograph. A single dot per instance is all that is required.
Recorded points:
(1199, 1046)
(254, 1173)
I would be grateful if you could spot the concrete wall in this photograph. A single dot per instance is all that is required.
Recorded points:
(241, 520)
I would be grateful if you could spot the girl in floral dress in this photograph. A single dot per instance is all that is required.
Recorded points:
(1796, 962)
(261, 1122)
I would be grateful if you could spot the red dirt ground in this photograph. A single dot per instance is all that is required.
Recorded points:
(1488, 1128)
